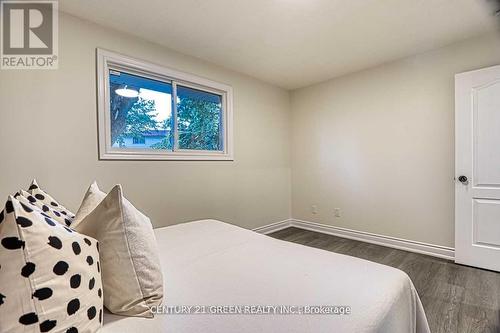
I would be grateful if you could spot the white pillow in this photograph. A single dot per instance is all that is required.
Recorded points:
(92, 198)
(131, 272)
(50, 278)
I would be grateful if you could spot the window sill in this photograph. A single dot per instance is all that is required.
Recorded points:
(177, 156)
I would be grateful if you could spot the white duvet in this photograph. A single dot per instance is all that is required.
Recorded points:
(210, 263)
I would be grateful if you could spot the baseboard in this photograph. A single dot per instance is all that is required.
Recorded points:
(393, 242)
(273, 227)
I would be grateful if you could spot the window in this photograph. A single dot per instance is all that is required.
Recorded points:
(151, 112)
(139, 140)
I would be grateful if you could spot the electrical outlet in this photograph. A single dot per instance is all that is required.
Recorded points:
(314, 209)
(336, 212)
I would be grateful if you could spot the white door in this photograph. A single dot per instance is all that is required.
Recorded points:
(477, 167)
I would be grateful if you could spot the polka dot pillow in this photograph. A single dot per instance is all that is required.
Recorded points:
(49, 210)
(50, 278)
(42, 199)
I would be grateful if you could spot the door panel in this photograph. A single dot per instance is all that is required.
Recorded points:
(477, 160)
(486, 225)
(486, 133)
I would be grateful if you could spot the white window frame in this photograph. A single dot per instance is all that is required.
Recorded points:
(107, 60)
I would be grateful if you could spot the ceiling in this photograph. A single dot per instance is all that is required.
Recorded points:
(293, 43)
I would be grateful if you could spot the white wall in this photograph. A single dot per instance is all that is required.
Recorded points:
(48, 130)
(379, 144)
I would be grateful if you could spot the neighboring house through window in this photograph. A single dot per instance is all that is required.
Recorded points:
(138, 140)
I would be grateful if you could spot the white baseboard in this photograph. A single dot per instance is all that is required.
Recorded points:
(393, 242)
(273, 227)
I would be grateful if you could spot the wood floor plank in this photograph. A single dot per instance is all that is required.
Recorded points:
(456, 299)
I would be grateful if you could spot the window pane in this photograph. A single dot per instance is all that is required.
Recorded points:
(199, 119)
(140, 112)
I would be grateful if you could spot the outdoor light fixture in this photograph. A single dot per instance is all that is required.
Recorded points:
(125, 92)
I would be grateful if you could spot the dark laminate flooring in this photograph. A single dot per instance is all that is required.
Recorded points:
(455, 298)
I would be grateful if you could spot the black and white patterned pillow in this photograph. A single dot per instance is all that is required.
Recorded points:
(43, 200)
(50, 278)
(51, 211)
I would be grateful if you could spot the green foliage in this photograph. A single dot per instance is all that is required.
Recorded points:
(198, 124)
(140, 118)
(166, 143)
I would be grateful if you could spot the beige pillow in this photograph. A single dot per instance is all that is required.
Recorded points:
(131, 273)
(92, 198)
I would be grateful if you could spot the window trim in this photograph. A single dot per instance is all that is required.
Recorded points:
(107, 60)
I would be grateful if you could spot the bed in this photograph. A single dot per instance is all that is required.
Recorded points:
(211, 263)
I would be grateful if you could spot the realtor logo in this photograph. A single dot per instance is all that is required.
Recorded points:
(29, 34)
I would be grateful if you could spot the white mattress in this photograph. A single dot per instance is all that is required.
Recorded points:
(213, 263)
